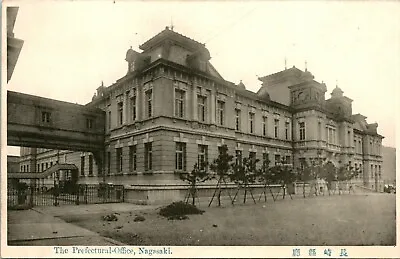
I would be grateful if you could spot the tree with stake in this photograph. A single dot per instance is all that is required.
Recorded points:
(243, 175)
(328, 174)
(284, 175)
(221, 166)
(266, 177)
(345, 174)
(199, 174)
(305, 174)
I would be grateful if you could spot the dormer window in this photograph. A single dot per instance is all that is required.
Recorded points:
(46, 117)
(202, 65)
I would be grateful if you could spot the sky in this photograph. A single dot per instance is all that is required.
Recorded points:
(71, 47)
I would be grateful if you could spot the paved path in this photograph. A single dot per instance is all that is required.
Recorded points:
(92, 208)
(40, 225)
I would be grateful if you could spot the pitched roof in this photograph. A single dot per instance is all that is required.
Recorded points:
(170, 34)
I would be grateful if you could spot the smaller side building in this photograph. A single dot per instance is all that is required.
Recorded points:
(13, 164)
(389, 164)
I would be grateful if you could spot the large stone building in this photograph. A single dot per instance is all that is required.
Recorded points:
(173, 109)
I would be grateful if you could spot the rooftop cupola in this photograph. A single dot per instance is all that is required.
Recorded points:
(337, 92)
(241, 85)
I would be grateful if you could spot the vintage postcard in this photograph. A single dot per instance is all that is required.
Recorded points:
(175, 129)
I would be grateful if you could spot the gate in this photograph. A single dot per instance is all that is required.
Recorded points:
(25, 196)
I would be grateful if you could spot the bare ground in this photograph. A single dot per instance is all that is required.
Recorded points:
(367, 219)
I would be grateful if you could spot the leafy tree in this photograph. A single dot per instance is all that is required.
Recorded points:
(329, 175)
(243, 175)
(345, 174)
(199, 174)
(222, 167)
(284, 175)
(305, 175)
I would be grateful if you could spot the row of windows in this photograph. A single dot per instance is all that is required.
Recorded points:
(202, 156)
(47, 118)
(375, 172)
(264, 124)
(90, 165)
(148, 158)
(132, 109)
(180, 157)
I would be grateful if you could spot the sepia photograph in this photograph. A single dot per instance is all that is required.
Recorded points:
(135, 128)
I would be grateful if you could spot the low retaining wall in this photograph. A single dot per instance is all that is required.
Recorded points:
(164, 194)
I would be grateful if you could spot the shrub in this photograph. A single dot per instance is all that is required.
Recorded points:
(110, 217)
(177, 210)
(139, 218)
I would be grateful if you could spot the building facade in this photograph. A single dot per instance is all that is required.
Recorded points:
(173, 109)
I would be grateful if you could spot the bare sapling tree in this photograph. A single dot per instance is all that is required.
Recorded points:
(199, 174)
(265, 176)
(284, 175)
(222, 168)
(305, 175)
(244, 174)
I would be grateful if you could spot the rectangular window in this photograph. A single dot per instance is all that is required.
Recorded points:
(27, 167)
(108, 163)
(302, 162)
(319, 131)
(119, 159)
(120, 113)
(202, 157)
(51, 164)
(239, 157)
(220, 112)
(288, 160)
(278, 159)
(348, 138)
(265, 158)
(89, 123)
(253, 156)
(359, 143)
(132, 158)
(47, 165)
(201, 108)
(180, 156)
(251, 122)
(219, 150)
(276, 128)
(372, 171)
(148, 156)
(302, 128)
(82, 165)
(38, 167)
(133, 108)
(334, 136)
(109, 119)
(46, 117)
(179, 103)
(264, 126)
(149, 103)
(286, 130)
(90, 165)
(327, 134)
(237, 119)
